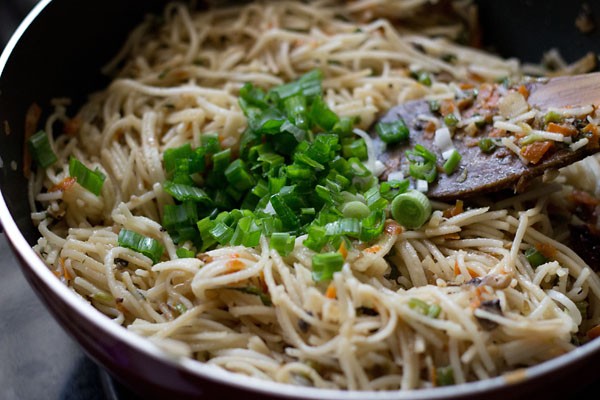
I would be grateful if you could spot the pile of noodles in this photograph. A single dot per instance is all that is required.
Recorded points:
(177, 77)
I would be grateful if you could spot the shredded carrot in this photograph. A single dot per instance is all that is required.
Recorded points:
(433, 376)
(65, 271)
(447, 107)
(495, 133)
(342, 250)
(234, 265)
(331, 292)
(58, 274)
(72, 126)
(63, 185)
(594, 332)
(594, 139)
(119, 305)
(583, 197)
(547, 250)
(32, 117)
(393, 228)
(373, 249)
(263, 283)
(429, 130)
(464, 103)
(205, 258)
(454, 210)
(523, 90)
(562, 129)
(451, 236)
(476, 302)
(466, 86)
(472, 274)
(535, 151)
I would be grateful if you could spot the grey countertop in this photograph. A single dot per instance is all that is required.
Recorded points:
(38, 360)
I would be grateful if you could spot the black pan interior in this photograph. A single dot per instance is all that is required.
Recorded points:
(59, 55)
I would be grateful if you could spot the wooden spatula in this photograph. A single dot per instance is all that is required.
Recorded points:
(479, 172)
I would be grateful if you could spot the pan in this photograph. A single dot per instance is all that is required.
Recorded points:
(58, 50)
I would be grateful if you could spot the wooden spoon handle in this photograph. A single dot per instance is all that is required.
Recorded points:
(563, 91)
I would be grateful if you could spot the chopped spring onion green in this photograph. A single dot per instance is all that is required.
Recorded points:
(41, 150)
(431, 310)
(238, 176)
(422, 163)
(552, 116)
(392, 132)
(355, 209)
(535, 257)
(450, 120)
(434, 106)
(282, 242)
(88, 179)
(411, 209)
(324, 265)
(147, 246)
(355, 148)
(182, 252)
(186, 192)
(452, 162)
(487, 145)
(444, 376)
(298, 172)
(424, 78)
(264, 297)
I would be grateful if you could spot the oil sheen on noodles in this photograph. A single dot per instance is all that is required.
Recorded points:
(177, 80)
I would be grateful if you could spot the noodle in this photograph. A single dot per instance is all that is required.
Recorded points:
(177, 80)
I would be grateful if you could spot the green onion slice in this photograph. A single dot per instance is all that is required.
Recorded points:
(393, 132)
(149, 247)
(452, 162)
(88, 179)
(41, 150)
(411, 209)
(324, 265)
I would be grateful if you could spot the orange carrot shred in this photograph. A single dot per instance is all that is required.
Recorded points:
(594, 139)
(63, 185)
(523, 90)
(32, 117)
(234, 265)
(393, 228)
(373, 249)
(343, 250)
(562, 129)
(447, 107)
(456, 268)
(535, 151)
(331, 292)
(547, 250)
(594, 332)
(453, 211)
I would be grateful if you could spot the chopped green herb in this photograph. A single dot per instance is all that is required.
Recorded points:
(444, 376)
(324, 265)
(41, 150)
(487, 145)
(392, 132)
(90, 180)
(535, 257)
(411, 209)
(452, 162)
(149, 247)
